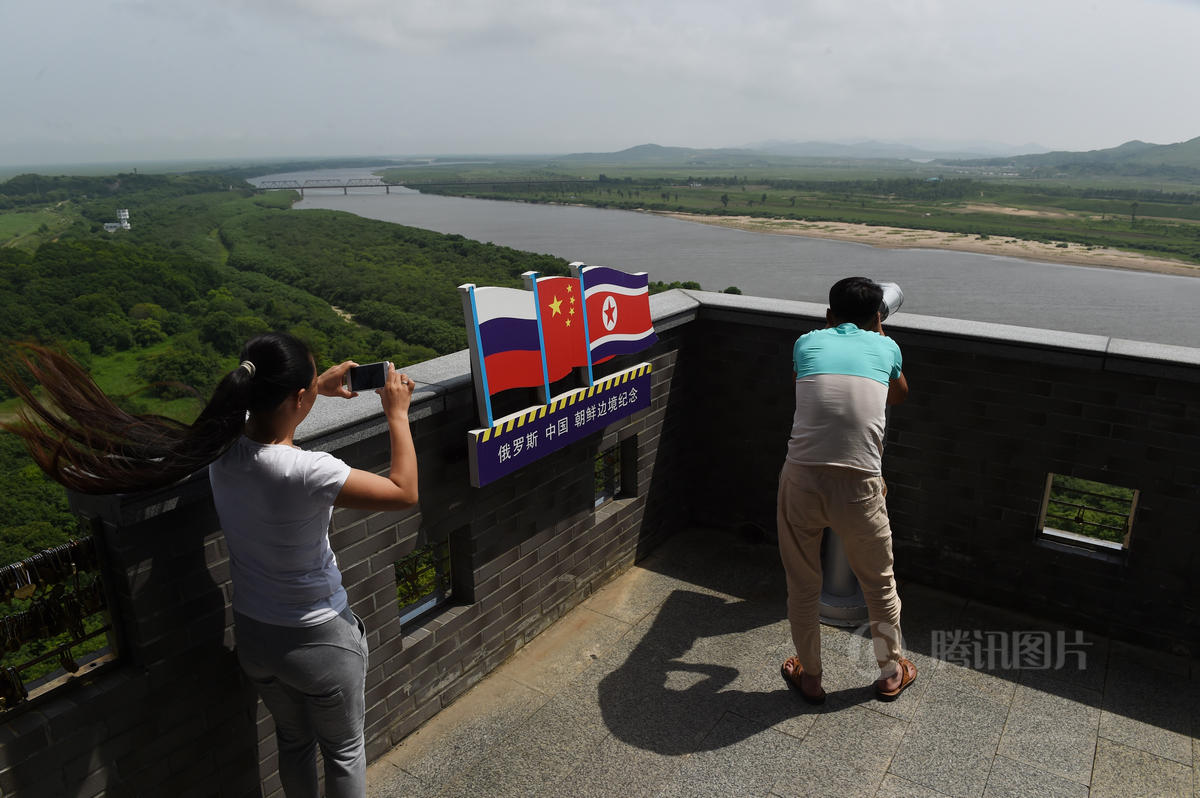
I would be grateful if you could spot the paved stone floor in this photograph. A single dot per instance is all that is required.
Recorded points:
(666, 683)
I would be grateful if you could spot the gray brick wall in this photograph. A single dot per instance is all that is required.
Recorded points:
(992, 411)
(175, 717)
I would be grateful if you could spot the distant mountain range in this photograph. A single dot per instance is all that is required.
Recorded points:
(909, 151)
(652, 154)
(1134, 158)
(773, 151)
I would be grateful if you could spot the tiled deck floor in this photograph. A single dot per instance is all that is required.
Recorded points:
(666, 683)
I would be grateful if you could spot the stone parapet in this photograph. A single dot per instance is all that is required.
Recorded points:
(993, 410)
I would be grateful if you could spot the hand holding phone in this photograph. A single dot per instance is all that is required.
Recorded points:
(396, 395)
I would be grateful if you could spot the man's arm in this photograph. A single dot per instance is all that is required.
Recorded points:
(897, 390)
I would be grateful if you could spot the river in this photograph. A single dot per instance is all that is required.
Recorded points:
(1138, 306)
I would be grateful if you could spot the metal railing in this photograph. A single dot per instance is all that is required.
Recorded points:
(1089, 509)
(55, 615)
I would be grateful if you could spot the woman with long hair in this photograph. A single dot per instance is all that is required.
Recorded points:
(297, 639)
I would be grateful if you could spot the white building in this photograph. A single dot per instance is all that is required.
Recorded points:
(122, 222)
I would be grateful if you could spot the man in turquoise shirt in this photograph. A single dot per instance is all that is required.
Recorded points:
(845, 376)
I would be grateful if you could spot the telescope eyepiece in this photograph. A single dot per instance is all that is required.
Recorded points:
(893, 298)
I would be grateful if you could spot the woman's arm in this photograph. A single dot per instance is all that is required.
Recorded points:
(364, 490)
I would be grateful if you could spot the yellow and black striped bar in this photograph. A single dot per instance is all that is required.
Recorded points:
(525, 437)
(518, 420)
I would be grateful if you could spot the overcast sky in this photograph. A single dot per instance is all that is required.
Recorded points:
(119, 80)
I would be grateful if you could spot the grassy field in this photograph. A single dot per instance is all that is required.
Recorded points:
(781, 168)
(27, 229)
(566, 168)
(117, 376)
(1126, 215)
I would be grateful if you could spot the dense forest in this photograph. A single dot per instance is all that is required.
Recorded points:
(158, 313)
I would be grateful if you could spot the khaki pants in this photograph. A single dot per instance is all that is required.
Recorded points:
(852, 504)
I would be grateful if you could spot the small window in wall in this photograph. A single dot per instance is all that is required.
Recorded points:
(616, 472)
(1093, 515)
(608, 475)
(423, 580)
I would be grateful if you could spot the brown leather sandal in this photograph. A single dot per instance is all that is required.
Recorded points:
(908, 675)
(793, 681)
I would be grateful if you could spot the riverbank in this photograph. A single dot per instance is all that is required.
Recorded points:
(903, 238)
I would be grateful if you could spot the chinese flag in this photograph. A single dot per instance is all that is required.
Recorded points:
(560, 307)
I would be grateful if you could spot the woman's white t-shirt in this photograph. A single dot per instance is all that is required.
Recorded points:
(275, 503)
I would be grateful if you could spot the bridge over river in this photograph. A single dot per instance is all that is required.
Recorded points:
(345, 184)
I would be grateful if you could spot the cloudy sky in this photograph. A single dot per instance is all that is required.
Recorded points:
(119, 80)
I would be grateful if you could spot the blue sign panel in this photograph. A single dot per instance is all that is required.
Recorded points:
(525, 437)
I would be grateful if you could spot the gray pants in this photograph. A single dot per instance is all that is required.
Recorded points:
(312, 679)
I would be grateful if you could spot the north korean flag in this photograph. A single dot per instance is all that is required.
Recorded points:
(561, 311)
(618, 311)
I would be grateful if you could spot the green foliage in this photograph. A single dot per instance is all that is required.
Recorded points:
(35, 189)
(1179, 161)
(33, 509)
(657, 287)
(423, 574)
(159, 313)
(190, 368)
(50, 644)
(26, 228)
(436, 335)
(1167, 224)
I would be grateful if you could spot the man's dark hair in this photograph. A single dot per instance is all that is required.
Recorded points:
(856, 300)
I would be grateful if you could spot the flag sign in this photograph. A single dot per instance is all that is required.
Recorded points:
(535, 432)
(560, 308)
(531, 338)
(618, 309)
(504, 338)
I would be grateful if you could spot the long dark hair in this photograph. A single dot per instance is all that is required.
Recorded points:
(83, 440)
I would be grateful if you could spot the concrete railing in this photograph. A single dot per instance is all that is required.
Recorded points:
(993, 410)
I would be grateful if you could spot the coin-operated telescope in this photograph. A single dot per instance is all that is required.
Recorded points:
(893, 298)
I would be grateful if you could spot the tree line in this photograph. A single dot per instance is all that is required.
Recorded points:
(158, 313)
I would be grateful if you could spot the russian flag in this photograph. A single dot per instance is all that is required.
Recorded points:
(508, 343)
(618, 311)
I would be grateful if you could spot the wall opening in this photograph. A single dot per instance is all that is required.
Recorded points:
(1092, 515)
(423, 580)
(56, 625)
(607, 481)
(615, 472)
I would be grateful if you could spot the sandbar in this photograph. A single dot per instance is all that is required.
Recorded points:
(903, 238)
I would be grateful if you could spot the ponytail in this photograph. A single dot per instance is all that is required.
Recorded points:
(83, 440)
